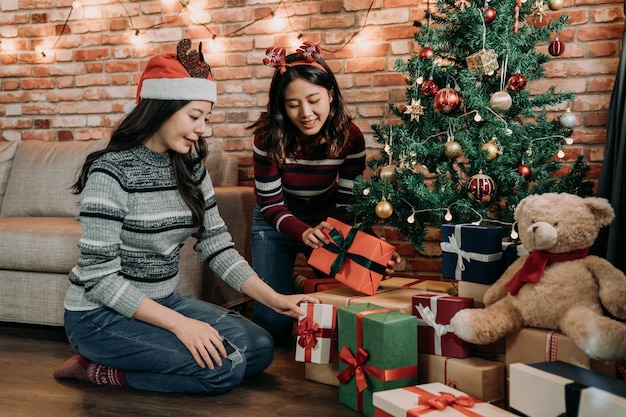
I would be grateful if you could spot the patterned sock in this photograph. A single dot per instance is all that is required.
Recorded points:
(105, 375)
(81, 368)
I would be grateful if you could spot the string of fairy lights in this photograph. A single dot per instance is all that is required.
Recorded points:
(279, 18)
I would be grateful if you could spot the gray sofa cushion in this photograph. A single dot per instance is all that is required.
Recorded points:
(7, 152)
(41, 244)
(42, 176)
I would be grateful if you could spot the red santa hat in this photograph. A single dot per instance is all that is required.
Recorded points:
(181, 76)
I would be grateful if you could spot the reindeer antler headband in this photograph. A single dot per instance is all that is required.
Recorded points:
(310, 53)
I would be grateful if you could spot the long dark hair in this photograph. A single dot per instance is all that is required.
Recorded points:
(274, 126)
(138, 126)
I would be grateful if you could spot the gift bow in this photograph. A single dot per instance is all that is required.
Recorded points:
(308, 331)
(444, 400)
(430, 402)
(341, 249)
(453, 247)
(430, 319)
(356, 367)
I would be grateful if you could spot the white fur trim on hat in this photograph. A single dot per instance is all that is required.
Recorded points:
(179, 89)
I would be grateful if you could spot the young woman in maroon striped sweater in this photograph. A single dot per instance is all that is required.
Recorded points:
(307, 154)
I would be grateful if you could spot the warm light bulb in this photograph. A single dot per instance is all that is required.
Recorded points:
(569, 141)
(411, 218)
(41, 51)
(76, 5)
(296, 43)
(278, 23)
(514, 234)
(137, 40)
(560, 153)
(366, 191)
(478, 117)
(448, 216)
(215, 45)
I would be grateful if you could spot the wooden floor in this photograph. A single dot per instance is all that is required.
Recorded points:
(29, 355)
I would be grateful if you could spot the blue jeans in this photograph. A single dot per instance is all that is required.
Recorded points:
(154, 359)
(273, 258)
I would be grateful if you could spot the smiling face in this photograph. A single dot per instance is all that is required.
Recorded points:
(307, 105)
(183, 129)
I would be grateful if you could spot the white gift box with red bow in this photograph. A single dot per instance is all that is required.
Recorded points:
(316, 333)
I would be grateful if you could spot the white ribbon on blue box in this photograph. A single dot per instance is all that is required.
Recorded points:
(471, 253)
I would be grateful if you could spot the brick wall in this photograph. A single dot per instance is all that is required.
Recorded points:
(78, 90)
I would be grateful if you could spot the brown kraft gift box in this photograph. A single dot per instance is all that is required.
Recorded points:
(477, 377)
(530, 345)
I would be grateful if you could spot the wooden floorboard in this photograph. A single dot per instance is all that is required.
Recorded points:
(29, 355)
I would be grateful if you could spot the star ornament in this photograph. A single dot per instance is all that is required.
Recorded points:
(538, 10)
(415, 109)
(462, 4)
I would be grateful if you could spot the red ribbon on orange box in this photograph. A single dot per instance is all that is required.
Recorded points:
(308, 331)
(356, 364)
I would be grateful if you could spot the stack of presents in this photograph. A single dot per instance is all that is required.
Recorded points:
(387, 345)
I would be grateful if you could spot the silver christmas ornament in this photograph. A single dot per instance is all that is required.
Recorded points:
(568, 119)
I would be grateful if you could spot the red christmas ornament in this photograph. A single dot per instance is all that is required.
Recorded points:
(517, 82)
(524, 171)
(490, 14)
(481, 188)
(430, 88)
(556, 47)
(447, 100)
(426, 53)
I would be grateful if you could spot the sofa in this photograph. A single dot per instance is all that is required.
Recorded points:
(39, 229)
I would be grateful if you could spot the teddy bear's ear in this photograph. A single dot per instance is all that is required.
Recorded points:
(601, 209)
(522, 203)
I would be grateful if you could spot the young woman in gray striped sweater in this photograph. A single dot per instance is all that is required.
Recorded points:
(141, 198)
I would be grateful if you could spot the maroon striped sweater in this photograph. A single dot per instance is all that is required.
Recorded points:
(308, 188)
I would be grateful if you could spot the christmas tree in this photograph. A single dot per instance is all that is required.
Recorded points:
(473, 141)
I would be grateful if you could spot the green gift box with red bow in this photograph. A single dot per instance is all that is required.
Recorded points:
(377, 351)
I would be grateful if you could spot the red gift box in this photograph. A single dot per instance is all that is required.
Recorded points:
(433, 335)
(353, 257)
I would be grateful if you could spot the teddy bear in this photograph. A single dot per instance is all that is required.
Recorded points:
(558, 285)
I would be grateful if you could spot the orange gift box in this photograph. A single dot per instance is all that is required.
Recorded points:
(353, 257)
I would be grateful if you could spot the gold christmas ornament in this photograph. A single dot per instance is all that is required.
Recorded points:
(555, 5)
(500, 101)
(491, 148)
(384, 209)
(453, 149)
(388, 172)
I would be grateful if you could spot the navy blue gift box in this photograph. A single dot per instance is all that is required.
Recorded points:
(471, 253)
(559, 389)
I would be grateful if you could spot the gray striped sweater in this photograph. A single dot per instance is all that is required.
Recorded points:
(134, 223)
